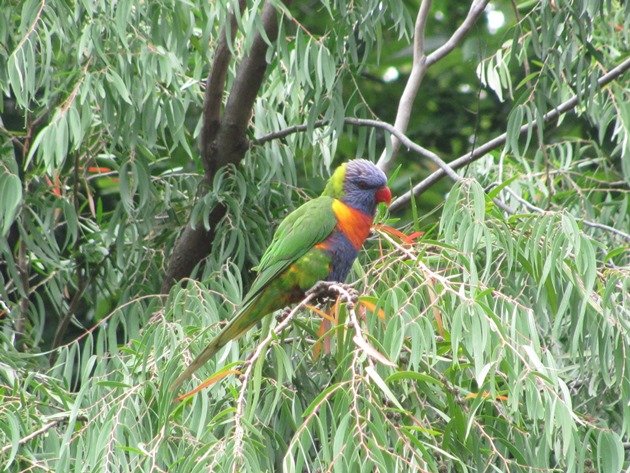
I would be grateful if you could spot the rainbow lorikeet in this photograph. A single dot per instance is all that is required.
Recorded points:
(316, 242)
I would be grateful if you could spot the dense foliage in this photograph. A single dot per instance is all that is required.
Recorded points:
(495, 341)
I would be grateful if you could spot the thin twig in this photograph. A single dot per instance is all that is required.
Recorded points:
(276, 135)
(45, 428)
(588, 223)
(31, 28)
(82, 286)
(476, 9)
(104, 321)
(71, 312)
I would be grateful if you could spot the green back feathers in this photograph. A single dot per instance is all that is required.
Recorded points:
(296, 235)
(334, 187)
(299, 232)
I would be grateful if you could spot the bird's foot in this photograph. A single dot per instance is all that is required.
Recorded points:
(332, 290)
(321, 286)
(283, 315)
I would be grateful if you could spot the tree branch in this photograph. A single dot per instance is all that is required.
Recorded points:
(408, 96)
(501, 139)
(405, 140)
(421, 63)
(399, 135)
(215, 83)
(192, 246)
(224, 141)
(231, 139)
(476, 9)
(444, 167)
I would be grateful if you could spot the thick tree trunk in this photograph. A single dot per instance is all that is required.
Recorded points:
(223, 137)
(192, 246)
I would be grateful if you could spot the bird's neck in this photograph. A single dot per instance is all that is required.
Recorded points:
(353, 223)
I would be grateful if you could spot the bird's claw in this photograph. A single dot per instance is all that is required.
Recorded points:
(283, 315)
(321, 287)
(332, 289)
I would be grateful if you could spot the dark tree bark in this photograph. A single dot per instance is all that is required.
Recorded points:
(223, 137)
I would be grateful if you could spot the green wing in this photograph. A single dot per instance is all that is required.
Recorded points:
(302, 229)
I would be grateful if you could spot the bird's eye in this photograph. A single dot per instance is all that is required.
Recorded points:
(363, 185)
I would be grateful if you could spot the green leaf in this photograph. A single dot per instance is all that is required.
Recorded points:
(610, 452)
(374, 376)
(414, 376)
(114, 78)
(515, 121)
(10, 200)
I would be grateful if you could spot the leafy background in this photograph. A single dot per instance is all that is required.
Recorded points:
(506, 333)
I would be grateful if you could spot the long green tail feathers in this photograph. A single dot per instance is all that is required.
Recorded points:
(239, 324)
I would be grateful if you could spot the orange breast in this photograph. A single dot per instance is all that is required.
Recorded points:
(353, 223)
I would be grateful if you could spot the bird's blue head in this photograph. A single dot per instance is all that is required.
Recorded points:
(360, 185)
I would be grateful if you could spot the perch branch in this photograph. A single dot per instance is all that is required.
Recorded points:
(366, 122)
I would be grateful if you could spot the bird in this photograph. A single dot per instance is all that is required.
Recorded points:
(316, 242)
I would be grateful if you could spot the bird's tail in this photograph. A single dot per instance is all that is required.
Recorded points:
(239, 324)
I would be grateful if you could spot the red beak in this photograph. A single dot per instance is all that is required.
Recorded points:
(384, 195)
